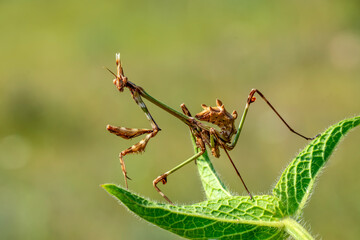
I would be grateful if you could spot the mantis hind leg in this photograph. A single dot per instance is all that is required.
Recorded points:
(252, 99)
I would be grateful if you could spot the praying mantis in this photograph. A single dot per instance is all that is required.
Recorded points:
(224, 137)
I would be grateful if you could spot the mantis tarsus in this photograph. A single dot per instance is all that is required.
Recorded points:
(204, 135)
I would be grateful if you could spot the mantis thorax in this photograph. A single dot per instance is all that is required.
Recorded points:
(220, 117)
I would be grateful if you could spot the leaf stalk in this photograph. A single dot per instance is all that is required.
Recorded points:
(295, 230)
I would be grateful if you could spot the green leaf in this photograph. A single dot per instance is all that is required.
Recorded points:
(237, 217)
(214, 188)
(227, 218)
(295, 184)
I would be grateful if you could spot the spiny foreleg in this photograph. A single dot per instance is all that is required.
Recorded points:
(128, 133)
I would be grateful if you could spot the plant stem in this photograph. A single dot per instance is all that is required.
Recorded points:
(296, 230)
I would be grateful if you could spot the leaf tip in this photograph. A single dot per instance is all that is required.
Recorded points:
(106, 185)
(110, 188)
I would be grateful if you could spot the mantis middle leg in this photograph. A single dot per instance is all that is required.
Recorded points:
(199, 142)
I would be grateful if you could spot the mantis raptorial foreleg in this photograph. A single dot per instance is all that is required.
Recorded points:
(129, 133)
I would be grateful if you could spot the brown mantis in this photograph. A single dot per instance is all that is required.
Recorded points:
(225, 137)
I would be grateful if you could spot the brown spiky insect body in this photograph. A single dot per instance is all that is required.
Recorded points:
(204, 134)
(220, 117)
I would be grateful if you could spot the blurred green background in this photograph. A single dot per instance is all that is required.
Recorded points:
(56, 99)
